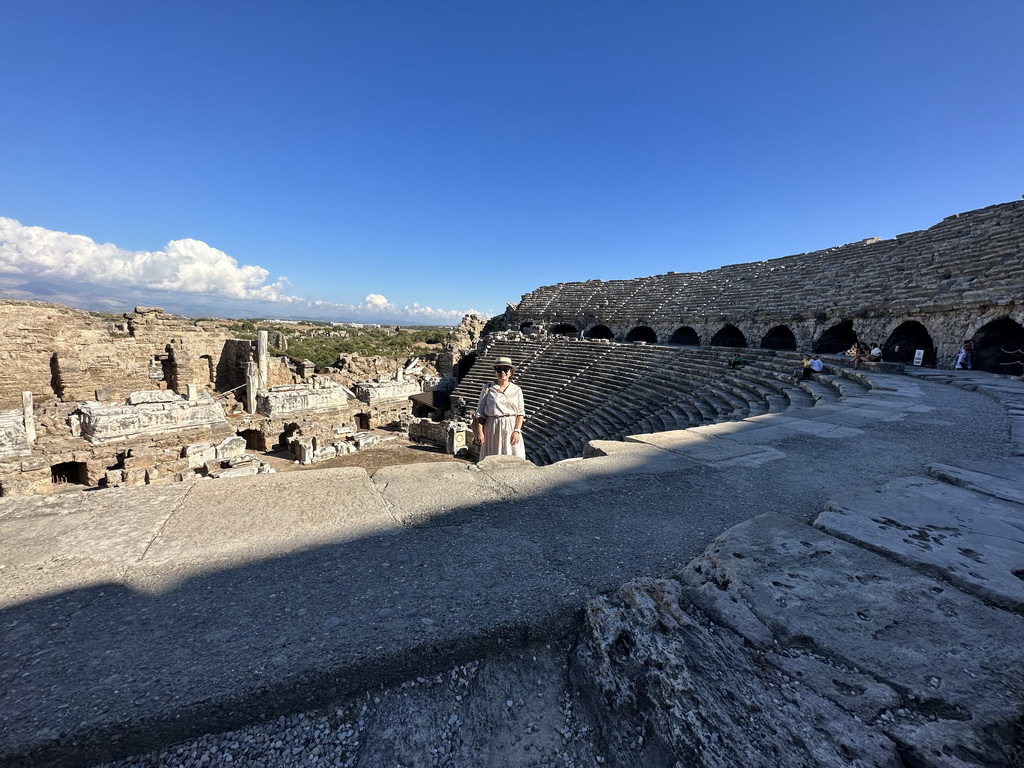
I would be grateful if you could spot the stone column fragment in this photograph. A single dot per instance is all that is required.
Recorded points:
(29, 418)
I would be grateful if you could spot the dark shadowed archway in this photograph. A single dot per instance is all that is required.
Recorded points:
(600, 332)
(779, 337)
(642, 333)
(729, 336)
(839, 338)
(564, 329)
(904, 342)
(464, 365)
(685, 336)
(999, 347)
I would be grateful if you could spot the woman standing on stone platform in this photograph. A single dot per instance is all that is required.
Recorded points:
(498, 427)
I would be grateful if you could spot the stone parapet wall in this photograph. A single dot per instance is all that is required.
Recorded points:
(952, 278)
(103, 423)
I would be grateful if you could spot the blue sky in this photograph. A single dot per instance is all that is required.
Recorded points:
(388, 157)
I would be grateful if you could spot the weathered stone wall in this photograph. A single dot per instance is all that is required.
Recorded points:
(56, 351)
(953, 278)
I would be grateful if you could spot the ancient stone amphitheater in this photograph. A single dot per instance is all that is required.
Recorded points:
(704, 565)
(602, 360)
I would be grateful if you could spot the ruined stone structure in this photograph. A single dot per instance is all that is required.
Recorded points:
(152, 398)
(960, 279)
(68, 354)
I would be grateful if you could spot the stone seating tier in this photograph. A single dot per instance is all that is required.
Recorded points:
(577, 391)
(966, 259)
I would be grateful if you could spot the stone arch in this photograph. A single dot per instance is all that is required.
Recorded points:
(729, 336)
(839, 338)
(779, 337)
(999, 347)
(642, 333)
(564, 329)
(599, 332)
(685, 336)
(905, 340)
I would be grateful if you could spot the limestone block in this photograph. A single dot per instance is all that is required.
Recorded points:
(279, 401)
(199, 454)
(244, 470)
(35, 463)
(178, 465)
(231, 446)
(303, 448)
(15, 487)
(152, 396)
(325, 452)
(140, 462)
(153, 476)
(114, 478)
(365, 440)
(134, 477)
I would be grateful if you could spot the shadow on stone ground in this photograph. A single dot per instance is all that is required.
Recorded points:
(780, 645)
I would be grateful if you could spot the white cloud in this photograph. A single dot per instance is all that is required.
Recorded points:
(185, 273)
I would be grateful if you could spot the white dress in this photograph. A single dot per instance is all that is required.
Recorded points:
(501, 409)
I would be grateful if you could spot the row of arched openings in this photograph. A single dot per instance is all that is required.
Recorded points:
(999, 345)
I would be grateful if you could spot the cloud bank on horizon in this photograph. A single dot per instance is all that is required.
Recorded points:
(187, 276)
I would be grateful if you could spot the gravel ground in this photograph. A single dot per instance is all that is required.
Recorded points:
(360, 732)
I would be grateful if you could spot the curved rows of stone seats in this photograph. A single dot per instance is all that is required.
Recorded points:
(577, 391)
(959, 261)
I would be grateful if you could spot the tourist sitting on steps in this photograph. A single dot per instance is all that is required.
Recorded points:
(500, 412)
(736, 362)
(963, 357)
(801, 371)
(874, 356)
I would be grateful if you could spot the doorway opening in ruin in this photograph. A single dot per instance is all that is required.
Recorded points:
(685, 336)
(69, 472)
(999, 347)
(642, 333)
(903, 343)
(729, 336)
(600, 332)
(56, 383)
(839, 338)
(254, 439)
(208, 369)
(167, 366)
(362, 421)
(290, 431)
(526, 327)
(779, 337)
(564, 329)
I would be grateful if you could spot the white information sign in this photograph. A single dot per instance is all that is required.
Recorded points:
(918, 356)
